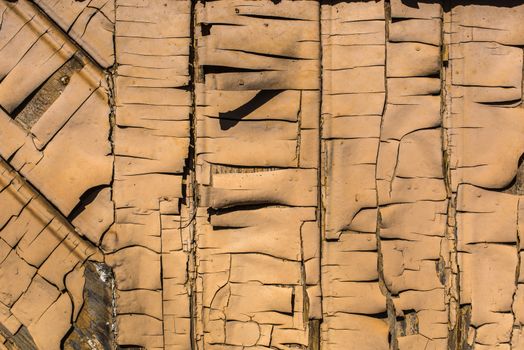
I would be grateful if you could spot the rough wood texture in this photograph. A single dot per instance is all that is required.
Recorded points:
(261, 174)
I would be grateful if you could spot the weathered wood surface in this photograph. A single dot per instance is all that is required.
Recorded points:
(261, 174)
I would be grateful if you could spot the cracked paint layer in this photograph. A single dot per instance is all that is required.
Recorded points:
(257, 206)
(261, 174)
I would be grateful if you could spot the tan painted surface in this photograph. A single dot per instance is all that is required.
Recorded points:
(262, 174)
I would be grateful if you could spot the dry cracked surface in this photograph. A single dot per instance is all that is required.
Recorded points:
(261, 174)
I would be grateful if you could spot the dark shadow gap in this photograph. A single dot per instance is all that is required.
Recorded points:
(231, 118)
(85, 199)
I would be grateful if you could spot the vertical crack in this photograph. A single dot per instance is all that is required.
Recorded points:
(520, 190)
(390, 307)
(110, 77)
(517, 276)
(458, 317)
(190, 194)
(299, 130)
(305, 299)
(314, 325)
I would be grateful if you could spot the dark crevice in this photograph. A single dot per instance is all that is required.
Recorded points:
(269, 55)
(85, 199)
(12, 156)
(221, 228)
(210, 69)
(231, 118)
(293, 296)
(508, 104)
(63, 341)
(205, 29)
(519, 178)
(400, 19)
(240, 207)
(189, 193)
(378, 315)
(51, 207)
(277, 18)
